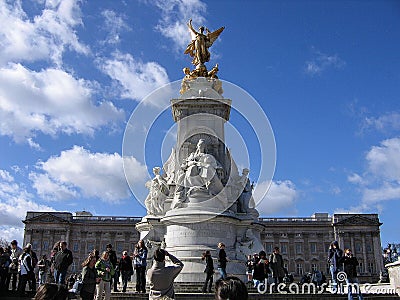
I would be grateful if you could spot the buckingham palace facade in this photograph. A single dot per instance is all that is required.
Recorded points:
(303, 242)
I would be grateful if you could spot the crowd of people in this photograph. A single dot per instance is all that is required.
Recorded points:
(101, 273)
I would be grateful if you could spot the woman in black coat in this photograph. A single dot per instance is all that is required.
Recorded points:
(209, 270)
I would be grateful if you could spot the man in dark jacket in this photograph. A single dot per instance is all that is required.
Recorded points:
(126, 268)
(114, 261)
(350, 264)
(277, 266)
(62, 260)
(222, 260)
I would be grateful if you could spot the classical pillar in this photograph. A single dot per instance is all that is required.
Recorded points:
(352, 242)
(67, 237)
(363, 270)
(377, 252)
(340, 238)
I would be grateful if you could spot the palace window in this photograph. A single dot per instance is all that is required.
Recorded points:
(90, 247)
(299, 248)
(34, 245)
(369, 248)
(76, 247)
(45, 245)
(371, 267)
(298, 234)
(119, 247)
(299, 268)
(358, 248)
(284, 248)
(313, 247)
(284, 235)
(360, 267)
(314, 267)
(268, 248)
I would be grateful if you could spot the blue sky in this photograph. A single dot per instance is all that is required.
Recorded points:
(326, 74)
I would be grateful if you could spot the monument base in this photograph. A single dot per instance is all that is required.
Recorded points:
(188, 233)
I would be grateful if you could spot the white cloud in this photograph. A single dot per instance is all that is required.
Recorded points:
(114, 24)
(355, 178)
(136, 79)
(388, 121)
(381, 179)
(78, 172)
(323, 61)
(384, 160)
(41, 37)
(50, 101)
(15, 201)
(280, 198)
(174, 16)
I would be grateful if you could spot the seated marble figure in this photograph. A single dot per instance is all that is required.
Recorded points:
(198, 176)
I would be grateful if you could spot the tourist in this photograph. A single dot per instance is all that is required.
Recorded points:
(105, 271)
(277, 267)
(230, 288)
(4, 264)
(52, 269)
(13, 268)
(43, 266)
(26, 270)
(261, 268)
(335, 255)
(34, 261)
(89, 278)
(249, 268)
(222, 260)
(140, 262)
(209, 270)
(62, 260)
(126, 269)
(350, 264)
(114, 260)
(52, 291)
(161, 277)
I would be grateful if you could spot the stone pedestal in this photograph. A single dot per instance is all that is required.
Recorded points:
(394, 275)
(190, 233)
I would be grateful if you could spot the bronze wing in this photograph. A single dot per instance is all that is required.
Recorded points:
(212, 36)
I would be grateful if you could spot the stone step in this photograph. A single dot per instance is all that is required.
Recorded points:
(255, 296)
(187, 290)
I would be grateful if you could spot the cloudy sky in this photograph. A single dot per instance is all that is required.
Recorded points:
(326, 74)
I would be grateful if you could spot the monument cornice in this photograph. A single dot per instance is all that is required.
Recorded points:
(182, 108)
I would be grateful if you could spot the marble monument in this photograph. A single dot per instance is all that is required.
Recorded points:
(201, 198)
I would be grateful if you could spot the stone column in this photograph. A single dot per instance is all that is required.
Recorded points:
(352, 241)
(377, 252)
(364, 269)
(67, 237)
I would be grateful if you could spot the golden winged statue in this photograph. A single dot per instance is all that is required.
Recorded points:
(198, 47)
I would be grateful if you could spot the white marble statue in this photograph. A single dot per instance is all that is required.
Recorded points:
(198, 174)
(246, 197)
(158, 193)
(249, 244)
